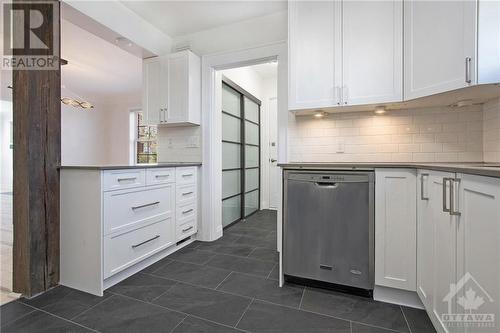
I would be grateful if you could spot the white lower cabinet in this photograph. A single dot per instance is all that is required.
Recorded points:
(395, 228)
(117, 222)
(458, 251)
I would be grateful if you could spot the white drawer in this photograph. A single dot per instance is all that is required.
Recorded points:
(126, 249)
(185, 230)
(186, 212)
(155, 176)
(185, 175)
(129, 208)
(121, 179)
(185, 194)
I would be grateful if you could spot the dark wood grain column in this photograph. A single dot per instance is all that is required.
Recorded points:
(37, 155)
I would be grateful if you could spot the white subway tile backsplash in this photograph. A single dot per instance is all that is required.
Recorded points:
(417, 135)
(491, 131)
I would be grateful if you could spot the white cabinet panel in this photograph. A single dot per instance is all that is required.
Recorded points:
(154, 89)
(395, 228)
(129, 208)
(425, 239)
(185, 175)
(155, 176)
(314, 43)
(125, 249)
(372, 52)
(122, 179)
(439, 37)
(479, 244)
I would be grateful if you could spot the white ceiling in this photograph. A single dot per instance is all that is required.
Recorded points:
(267, 70)
(97, 70)
(177, 18)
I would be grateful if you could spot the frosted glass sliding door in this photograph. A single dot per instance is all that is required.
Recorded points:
(240, 153)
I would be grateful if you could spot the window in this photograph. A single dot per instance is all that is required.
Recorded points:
(145, 141)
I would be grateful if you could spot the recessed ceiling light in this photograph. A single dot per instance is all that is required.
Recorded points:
(122, 41)
(463, 103)
(380, 110)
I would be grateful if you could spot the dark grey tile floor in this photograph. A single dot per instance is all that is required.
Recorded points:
(229, 285)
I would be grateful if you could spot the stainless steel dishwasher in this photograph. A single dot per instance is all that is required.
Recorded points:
(328, 227)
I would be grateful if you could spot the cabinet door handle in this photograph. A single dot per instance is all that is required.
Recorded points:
(187, 211)
(187, 175)
(161, 115)
(146, 241)
(453, 211)
(445, 197)
(162, 176)
(126, 179)
(187, 229)
(146, 205)
(187, 193)
(338, 95)
(468, 74)
(345, 93)
(422, 197)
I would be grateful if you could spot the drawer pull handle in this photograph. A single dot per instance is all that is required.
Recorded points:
(146, 205)
(187, 193)
(355, 272)
(126, 179)
(146, 241)
(162, 176)
(187, 211)
(187, 229)
(187, 175)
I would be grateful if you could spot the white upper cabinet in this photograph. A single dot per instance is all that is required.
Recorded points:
(184, 89)
(172, 89)
(439, 45)
(344, 53)
(372, 52)
(395, 228)
(154, 92)
(314, 42)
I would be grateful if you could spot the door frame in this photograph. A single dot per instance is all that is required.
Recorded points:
(211, 171)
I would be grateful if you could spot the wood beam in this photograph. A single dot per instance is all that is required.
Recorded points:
(37, 156)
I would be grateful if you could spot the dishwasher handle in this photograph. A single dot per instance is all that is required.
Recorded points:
(332, 185)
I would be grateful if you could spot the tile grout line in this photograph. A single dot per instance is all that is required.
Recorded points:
(272, 269)
(243, 314)
(93, 306)
(56, 316)
(301, 298)
(350, 325)
(179, 324)
(230, 273)
(404, 316)
(33, 309)
(163, 293)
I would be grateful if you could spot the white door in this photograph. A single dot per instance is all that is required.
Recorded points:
(395, 228)
(479, 245)
(445, 236)
(178, 87)
(274, 170)
(439, 41)
(314, 43)
(372, 52)
(425, 239)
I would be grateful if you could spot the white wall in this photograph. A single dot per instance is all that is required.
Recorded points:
(492, 131)
(420, 135)
(97, 136)
(263, 89)
(241, 35)
(5, 150)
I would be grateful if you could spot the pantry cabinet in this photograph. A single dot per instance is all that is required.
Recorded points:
(439, 46)
(172, 89)
(344, 53)
(395, 228)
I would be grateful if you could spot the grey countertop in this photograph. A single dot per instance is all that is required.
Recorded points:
(482, 169)
(125, 166)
